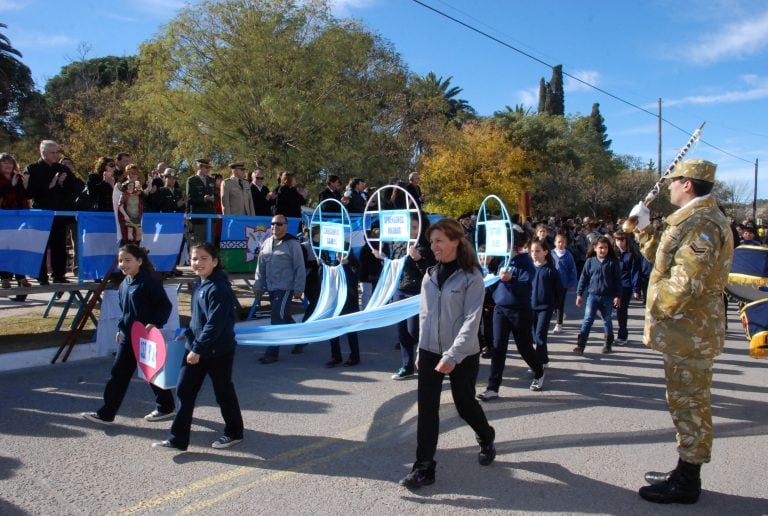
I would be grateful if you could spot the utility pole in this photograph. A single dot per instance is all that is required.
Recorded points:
(754, 197)
(658, 159)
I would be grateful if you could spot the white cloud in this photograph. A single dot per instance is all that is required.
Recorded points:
(11, 5)
(735, 40)
(165, 5)
(589, 76)
(37, 40)
(725, 97)
(343, 7)
(529, 97)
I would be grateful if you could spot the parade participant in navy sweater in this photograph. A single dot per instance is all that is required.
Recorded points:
(631, 266)
(513, 313)
(565, 264)
(601, 282)
(546, 291)
(210, 344)
(140, 298)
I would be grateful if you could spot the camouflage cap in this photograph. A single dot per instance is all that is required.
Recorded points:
(695, 169)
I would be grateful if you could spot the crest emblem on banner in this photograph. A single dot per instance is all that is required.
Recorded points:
(254, 237)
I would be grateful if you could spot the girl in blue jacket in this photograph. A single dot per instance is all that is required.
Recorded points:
(140, 298)
(601, 282)
(210, 344)
(566, 268)
(631, 265)
(546, 291)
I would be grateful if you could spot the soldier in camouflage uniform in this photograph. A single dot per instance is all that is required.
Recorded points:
(684, 318)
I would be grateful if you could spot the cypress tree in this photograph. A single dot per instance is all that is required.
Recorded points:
(597, 125)
(557, 102)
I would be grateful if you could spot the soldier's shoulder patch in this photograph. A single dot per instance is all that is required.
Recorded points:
(697, 248)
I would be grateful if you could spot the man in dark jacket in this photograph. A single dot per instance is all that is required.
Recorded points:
(50, 184)
(331, 192)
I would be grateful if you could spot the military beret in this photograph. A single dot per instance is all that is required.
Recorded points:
(695, 169)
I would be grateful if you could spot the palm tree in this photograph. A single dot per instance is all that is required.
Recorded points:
(438, 93)
(6, 50)
(433, 104)
(15, 83)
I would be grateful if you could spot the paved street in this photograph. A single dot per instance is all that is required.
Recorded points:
(336, 441)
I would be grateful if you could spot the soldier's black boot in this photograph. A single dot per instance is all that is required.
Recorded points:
(683, 485)
(608, 346)
(581, 343)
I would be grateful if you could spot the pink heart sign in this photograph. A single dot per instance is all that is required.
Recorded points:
(149, 349)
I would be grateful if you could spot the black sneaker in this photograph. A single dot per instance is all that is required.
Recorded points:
(487, 450)
(95, 418)
(418, 478)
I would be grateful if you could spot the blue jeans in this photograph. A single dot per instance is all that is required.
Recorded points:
(596, 303)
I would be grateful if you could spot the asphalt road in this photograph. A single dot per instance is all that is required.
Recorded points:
(336, 441)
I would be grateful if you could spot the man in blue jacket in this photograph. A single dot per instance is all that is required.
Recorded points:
(280, 270)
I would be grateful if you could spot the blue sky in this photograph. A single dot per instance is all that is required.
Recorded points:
(705, 59)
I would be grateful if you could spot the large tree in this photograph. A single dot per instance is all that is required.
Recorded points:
(279, 82)
(471, 163)
(551, 94)
(432, 106)
(16, 85)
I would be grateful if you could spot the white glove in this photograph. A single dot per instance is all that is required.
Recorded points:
(643, 215)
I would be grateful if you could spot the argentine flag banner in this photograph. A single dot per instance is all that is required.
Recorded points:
(23, 236)
(97, 243)
(162, 236)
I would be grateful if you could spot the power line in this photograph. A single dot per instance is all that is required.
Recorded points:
(573, 77)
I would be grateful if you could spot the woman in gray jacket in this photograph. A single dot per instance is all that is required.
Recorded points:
(452, 295)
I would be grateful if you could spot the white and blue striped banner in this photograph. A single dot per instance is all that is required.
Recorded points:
(162, 234)
(254, 333)
(23, 236)
(97, 242)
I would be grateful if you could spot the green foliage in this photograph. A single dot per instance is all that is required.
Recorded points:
(278, 83)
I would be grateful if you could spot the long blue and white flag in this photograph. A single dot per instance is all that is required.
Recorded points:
(97, 242)
(23, 237)
(253, 333)
(162, 234)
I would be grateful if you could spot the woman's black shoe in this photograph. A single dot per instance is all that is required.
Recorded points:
(418, 478)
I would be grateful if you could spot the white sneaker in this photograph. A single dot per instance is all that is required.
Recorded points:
(225, 441)
(557, 329)
(621, 342)
(156, 415)
(488, 395)
(538, 383)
